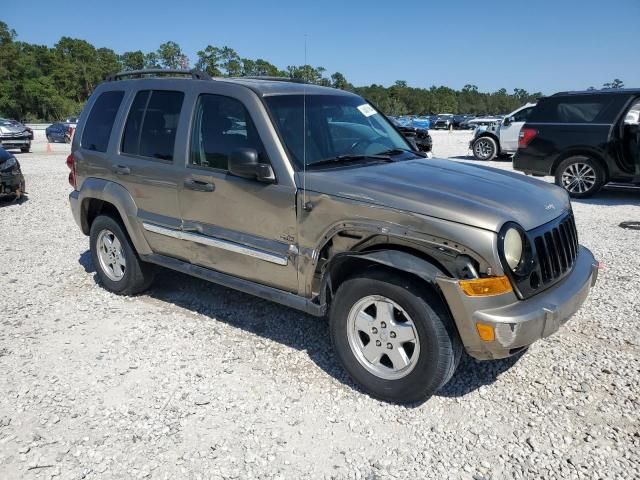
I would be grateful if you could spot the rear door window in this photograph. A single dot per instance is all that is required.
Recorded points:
(97, 130)
(152, 123)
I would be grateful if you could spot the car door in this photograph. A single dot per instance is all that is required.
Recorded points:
(510, 130)
(146, 164)
(234, 225)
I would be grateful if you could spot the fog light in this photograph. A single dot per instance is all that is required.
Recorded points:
(483, 287)
(485, 332)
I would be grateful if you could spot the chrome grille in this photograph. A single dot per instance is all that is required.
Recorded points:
(557, 249)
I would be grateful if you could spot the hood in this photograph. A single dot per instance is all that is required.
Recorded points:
(474, 195)
(11, 129)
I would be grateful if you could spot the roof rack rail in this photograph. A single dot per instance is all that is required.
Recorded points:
(272, 78)
(157, 72)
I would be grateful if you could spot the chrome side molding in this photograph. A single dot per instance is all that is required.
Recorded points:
(217, 243)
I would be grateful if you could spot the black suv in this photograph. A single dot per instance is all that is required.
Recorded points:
(584, 139)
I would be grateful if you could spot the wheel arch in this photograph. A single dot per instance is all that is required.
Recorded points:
(492, 136)
(581, 152)
(417, 264)
(98, 196)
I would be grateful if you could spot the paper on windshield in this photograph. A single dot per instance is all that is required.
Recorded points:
(367, 110)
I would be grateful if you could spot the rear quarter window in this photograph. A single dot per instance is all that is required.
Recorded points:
(576, 109)
(97, 129)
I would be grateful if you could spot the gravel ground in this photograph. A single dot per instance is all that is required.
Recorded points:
(192, 380)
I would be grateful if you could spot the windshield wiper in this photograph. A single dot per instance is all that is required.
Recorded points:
(349, 158)
(398, 151)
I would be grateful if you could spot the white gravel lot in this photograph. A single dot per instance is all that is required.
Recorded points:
(192, 380)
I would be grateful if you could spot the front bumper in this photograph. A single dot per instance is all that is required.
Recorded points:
(519, 323)
(15, 142)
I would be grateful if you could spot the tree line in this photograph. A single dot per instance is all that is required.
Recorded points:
(40, 83)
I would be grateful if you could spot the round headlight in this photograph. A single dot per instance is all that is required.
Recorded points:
(513, 247)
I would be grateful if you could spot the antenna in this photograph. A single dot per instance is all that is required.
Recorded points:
(304, 132)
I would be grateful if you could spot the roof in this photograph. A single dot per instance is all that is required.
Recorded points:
(604, 91)
(266, 87)
(263, 86)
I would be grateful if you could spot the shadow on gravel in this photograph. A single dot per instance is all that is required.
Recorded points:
(260, 317)
(289, 327)
(7, 200)
(473, 374)
(613, 196)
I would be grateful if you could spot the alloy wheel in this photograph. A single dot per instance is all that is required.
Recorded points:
(383, 337)
(111, 255)
(483, 149)
(578, 178)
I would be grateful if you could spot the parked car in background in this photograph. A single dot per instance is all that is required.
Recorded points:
(59, 132)
(444, 122)
(11, 178)
(460, 122)
(323, 206)
(500, 138)
(18, 124)
(15, 135)
(420, 122)
(584, 139)
(482, 122)
(419, 137)
(71, 122)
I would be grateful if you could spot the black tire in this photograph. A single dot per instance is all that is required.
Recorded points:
(25, 149)
(138, 275)
(593, 179)
(484, 149)
(440, 346)
(49, 139)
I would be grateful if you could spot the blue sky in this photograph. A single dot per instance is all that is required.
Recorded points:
(537, 45)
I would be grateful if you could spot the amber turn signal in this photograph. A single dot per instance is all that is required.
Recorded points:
(486, 332)
(484, 287)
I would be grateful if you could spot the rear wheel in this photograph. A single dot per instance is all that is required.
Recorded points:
(118, 265)
(580, 176)
(485, 148)
(394, 338)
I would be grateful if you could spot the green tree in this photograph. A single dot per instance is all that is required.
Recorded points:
(209, 61)
(170, 55)
(132, 60)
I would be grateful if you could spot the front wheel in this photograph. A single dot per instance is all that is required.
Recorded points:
(485, 148)
(25, 149)
(118, 265)
(580, 176)
(394, 338)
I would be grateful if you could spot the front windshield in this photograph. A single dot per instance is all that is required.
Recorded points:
(336, 125)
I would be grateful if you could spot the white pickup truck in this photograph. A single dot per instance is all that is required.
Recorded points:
(501, 138)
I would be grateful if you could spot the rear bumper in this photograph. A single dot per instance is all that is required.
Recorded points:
(519, 323)
(74, 203)
(532, 164)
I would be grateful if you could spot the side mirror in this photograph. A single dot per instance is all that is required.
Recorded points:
(243, 163)
(507, 121)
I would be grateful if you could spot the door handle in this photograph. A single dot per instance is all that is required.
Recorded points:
(199, 186)
(122, 170)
